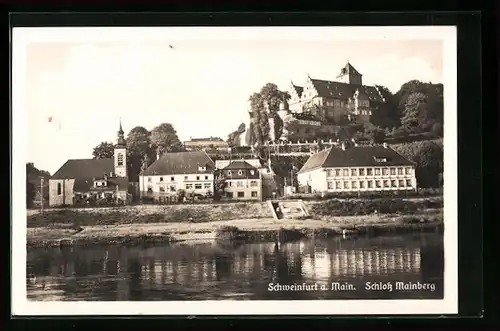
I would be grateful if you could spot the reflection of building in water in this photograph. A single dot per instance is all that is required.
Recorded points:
(372, 262)
(359, 262)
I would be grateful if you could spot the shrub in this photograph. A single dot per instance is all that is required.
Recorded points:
(181, 194)
(428, 156)
(337, 207)
(228, 232)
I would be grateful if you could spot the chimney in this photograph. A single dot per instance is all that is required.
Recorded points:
(343, 146)
(385, 145)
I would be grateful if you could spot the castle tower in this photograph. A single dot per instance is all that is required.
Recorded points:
(120, 154)
(350, 75)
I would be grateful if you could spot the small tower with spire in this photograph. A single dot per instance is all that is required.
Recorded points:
(350, 75)
(120, 154)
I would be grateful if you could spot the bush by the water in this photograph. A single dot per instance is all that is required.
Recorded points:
(337, 207)
(227, 233)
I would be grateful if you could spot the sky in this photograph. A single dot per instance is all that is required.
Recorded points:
(201, 85)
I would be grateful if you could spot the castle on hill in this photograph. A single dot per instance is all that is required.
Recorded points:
(321, 109)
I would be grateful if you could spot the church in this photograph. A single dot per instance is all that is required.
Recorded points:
(81, 180)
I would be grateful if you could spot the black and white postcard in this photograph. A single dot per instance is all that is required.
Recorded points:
(234, 170)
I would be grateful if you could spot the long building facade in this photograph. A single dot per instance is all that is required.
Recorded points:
(357, 169)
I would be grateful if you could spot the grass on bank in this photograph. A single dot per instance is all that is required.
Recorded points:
(148, 214)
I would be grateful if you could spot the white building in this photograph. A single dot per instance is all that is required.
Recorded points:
(357, 169)
(189, 171)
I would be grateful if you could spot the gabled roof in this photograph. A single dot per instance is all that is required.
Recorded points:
(349, 69)
(315, 161)
(298, 89)
(330, 89)
(361, 156)
(239, 165)
(84, 168)
(181, 163)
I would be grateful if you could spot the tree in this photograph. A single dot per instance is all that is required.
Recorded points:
(260, 119)
(429, 160)
(265, 104)
(420, 105)
(234, 137)
(219, 184)
(414, 112)
(164, 138)
(105, 150)
(374, 133)
(428, 156)
(139, 148)
(33, 182)
(387, 114)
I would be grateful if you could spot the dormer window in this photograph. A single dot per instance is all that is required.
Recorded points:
(202, 168)
(229, 172)
(252, 172)
(380, 159)
(240, 172)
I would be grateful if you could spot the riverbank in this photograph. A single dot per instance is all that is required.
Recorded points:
(248, 229)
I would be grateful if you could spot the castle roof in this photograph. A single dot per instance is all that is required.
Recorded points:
(331, 89)
(181, 163)
(356, 156)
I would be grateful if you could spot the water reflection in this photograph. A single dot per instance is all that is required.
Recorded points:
(212, 271)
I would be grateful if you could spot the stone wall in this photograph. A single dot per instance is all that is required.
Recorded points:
(66, 196)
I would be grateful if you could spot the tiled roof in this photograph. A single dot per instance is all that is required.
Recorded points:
(84, 169)
(239, 165)
(362, 156)
(315, 161)
(298, 89)
(349, 69)
(181, 163)
(330, 89)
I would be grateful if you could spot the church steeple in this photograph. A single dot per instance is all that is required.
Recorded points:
(120, 155)
(121, 138)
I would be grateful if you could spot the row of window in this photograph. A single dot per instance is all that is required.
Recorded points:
(173, 188)
(172, 178)
(336, 102)
(240, 183)
(253, 194)
(338, 185)
(198, 186)
(367, 172)
(362, 112)
(240, 172)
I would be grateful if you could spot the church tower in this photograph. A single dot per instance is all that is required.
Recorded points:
(350, 75)
(120, 154)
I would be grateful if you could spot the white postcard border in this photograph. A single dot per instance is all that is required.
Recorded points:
(21, 306)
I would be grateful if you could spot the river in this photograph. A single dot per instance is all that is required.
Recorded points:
(212, 271)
